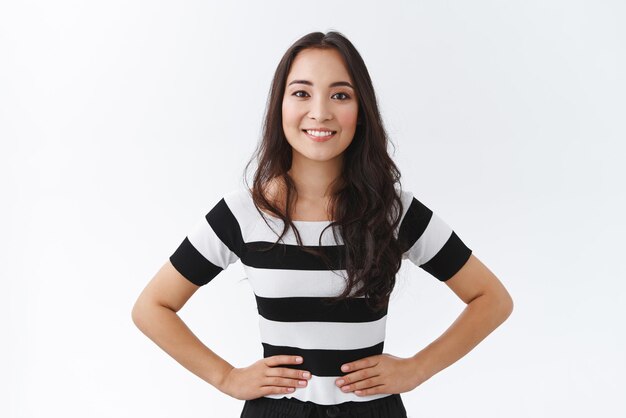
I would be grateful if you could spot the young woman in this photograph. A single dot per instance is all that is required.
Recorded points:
(321, 235)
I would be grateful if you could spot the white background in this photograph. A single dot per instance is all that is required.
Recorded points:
(122, 122)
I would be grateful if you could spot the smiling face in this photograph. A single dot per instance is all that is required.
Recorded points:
(318, 94)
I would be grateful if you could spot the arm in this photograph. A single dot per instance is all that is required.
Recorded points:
(155, 314)
(488, 305)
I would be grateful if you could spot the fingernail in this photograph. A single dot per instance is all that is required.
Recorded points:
(340, 382)
(302, 382)
(298, 359)
(345, 368)
(306, 374)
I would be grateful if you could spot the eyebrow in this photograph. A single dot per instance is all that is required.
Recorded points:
(335, 84)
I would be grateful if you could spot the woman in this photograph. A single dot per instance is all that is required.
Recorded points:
(322, 166)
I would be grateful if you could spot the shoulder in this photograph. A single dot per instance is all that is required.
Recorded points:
(412, 207)
(238, 201)
(237, 196)
(406, 196)
(239, 206)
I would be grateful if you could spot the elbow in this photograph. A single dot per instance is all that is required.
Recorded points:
(499, 303)
(146, 312)
(137, 314)
(505, 305)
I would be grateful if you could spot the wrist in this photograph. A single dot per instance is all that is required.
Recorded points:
(420, 369)
(221, 377)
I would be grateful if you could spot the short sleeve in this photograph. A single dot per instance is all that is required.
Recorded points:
(213, 243)
(429, 242)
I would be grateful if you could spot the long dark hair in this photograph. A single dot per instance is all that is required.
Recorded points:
(365, 202)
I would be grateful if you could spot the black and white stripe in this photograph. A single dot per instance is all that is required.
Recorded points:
(432, 244)
(290, 284)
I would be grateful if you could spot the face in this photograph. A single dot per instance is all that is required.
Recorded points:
(312, 101)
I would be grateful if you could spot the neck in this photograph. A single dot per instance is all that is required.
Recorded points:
(313, 179)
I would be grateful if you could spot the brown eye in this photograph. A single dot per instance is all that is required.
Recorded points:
(347, 97)
(299, 91)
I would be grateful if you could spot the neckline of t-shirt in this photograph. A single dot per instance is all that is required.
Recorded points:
(325, 222)
(295, 221)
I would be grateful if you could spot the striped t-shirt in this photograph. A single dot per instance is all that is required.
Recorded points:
(289, 284)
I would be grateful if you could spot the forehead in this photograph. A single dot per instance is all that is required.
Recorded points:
(318, 65)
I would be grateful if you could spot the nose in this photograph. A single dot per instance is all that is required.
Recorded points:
(320, 109)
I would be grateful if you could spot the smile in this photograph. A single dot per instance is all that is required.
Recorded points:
(319, 136)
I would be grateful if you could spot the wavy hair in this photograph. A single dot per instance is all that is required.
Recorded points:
(364, 201)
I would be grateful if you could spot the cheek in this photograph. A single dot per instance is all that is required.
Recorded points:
(289, 116)
(348, 117)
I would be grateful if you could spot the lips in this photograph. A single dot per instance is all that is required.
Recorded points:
(319, 129)
(320, 138)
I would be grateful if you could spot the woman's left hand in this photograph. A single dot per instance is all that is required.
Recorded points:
(382, 373)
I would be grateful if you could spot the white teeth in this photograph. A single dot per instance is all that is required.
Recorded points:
(319, 133)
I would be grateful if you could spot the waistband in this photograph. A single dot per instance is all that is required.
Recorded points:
(292, 406)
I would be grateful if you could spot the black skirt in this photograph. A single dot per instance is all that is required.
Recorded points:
(388, 407)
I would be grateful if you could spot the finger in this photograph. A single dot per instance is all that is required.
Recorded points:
(269, 390)
(284, 382)
(371, 391)
(356, 376)
(359, 364)
(287, 372)
(361, 384)
(282, 359)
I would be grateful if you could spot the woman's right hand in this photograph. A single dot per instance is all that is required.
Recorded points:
(264, 378)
